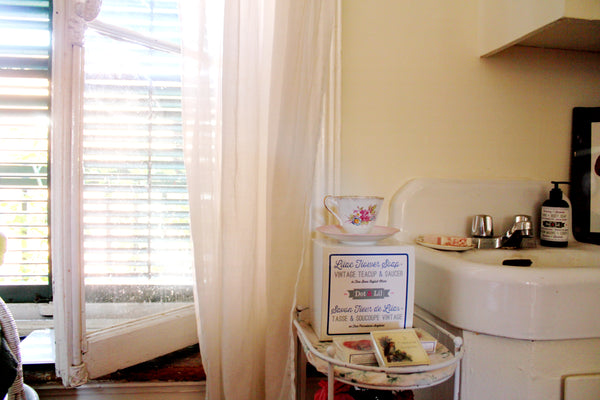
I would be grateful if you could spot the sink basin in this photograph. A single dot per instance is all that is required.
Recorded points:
(554, 298)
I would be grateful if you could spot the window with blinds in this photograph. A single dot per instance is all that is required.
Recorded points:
(135, 222)
(25, 28)
(135, 202)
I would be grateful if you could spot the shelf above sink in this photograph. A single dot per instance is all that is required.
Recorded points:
(555, 24)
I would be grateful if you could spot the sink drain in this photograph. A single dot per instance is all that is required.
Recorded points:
(518, 262)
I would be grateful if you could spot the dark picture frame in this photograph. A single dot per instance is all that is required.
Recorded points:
(585, 174)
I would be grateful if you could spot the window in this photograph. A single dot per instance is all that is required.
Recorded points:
(24, 128)
(125, 211)
(135, 212)
(136, 232)
(103, 198)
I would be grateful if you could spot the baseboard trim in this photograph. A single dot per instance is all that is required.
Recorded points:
(124, 390)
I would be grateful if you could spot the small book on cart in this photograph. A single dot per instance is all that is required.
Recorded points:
(399, 348)
(427, 340)
(355, 349)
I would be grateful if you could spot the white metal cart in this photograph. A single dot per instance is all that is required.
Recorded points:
(445, 363)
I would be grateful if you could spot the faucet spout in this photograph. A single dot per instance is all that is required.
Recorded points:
(519, 235)
(521, 226)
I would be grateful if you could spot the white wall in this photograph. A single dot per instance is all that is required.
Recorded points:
(418, 100)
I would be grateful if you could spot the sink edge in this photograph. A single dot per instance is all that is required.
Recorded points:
(514, 302)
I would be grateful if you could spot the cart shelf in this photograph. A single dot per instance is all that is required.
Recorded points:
(444, 363)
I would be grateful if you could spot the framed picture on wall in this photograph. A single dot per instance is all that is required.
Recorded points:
(585, 174)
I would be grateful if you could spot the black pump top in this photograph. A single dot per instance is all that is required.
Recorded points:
(556, 193)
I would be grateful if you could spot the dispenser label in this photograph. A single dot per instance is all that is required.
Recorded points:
(368, 292)
(555, 224)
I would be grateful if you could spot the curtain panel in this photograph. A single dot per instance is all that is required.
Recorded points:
(256, 93)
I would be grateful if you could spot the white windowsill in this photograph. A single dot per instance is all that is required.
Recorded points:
(32, 316)
(35, 323)
(38, 347)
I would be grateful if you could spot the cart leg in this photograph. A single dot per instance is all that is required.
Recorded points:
(457, 381)
(301, 363)
(330, 382)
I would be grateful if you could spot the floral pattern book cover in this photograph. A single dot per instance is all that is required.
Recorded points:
(399, 348)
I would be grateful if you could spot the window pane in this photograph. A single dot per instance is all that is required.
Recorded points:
(24, 125)
(137, 245)
(157, 19)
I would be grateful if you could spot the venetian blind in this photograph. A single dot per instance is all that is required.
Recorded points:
(24, 135)
(136, 214)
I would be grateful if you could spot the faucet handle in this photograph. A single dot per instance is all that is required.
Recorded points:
(522, 218)
(482, 226)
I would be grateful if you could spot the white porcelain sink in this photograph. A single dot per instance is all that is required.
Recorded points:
(557, 297)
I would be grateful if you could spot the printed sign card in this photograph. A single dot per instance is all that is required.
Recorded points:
(362, 289)
(367, 292)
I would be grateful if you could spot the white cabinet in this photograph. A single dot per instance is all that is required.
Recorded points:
(582, 387)
(558, 24)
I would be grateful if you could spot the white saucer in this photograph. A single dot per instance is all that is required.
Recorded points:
(443, 247)
(377, 233)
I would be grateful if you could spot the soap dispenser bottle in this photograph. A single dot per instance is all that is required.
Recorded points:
(555, 217)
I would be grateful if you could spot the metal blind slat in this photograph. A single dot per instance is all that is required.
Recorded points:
(24, 126)
(136, 216)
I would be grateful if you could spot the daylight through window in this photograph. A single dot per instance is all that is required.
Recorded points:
(135, 223)
(24, 126)
(135, 207)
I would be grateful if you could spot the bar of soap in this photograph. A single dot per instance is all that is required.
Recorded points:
(442, 240)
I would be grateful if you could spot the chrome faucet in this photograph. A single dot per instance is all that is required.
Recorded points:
(519, 235)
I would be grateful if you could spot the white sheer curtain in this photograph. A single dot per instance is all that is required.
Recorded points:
(256, 78)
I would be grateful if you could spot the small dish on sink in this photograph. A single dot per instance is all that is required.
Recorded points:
(448, 243)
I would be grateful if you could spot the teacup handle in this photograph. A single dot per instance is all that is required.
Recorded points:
(330, 202)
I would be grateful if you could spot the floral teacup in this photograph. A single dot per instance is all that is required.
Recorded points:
(355, 214)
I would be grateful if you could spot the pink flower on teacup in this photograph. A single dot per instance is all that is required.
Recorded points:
(362, 216)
